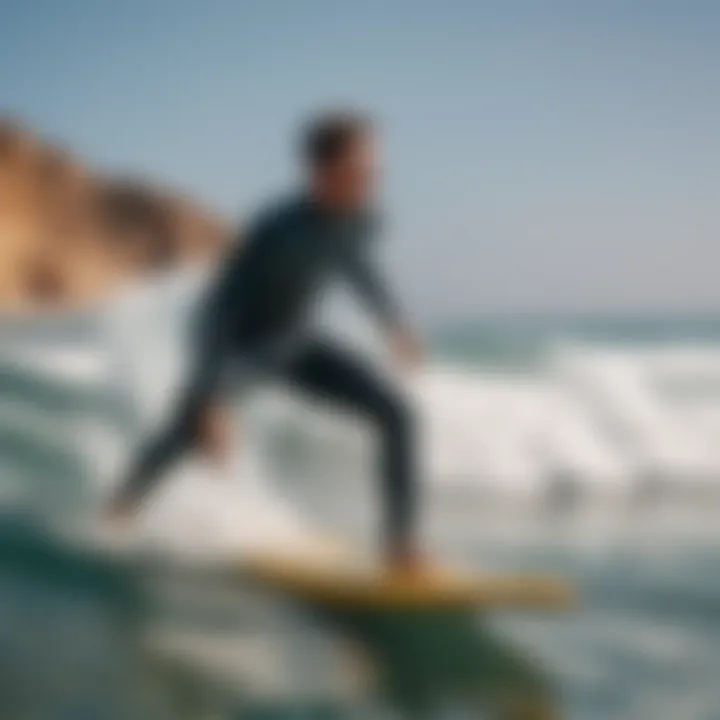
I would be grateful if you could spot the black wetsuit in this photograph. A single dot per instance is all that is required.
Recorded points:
(257, 312)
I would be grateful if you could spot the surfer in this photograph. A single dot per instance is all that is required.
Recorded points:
(256, 320)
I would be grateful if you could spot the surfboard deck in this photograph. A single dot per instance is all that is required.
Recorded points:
(341, 581)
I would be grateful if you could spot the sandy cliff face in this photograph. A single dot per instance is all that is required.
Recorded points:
(69, 236)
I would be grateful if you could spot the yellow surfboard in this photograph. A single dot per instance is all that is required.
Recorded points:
(337, 580)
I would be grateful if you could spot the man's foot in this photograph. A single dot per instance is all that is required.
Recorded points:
(407, 561)
(120, 512)
(112, 528)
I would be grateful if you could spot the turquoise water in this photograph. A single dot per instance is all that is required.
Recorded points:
(77, 639)
(85, 634)
(81, 637)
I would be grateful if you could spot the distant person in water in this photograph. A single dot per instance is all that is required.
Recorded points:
(256, 319)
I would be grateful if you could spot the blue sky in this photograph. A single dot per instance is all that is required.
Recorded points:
(540, 155)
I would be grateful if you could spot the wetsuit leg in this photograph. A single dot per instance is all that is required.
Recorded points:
(176, 437)
(331, 373)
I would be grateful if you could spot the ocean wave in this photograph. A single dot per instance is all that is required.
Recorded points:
(596, 417)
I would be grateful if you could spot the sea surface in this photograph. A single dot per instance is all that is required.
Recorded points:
(587, 447)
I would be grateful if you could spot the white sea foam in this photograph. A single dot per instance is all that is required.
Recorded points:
(598, 418)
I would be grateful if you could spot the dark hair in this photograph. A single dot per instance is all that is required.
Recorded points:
(328, 136)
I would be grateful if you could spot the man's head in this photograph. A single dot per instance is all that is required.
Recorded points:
(340, 158)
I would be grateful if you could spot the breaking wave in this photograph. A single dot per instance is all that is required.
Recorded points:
(601, 417)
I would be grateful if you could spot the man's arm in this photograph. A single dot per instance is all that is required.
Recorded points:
(364, 274)
(214, 321)
(226, 301)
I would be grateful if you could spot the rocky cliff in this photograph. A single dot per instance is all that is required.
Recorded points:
(69, 236)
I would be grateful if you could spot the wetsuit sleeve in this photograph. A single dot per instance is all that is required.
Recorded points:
(221, 313)
(214, 329)
(363, 271)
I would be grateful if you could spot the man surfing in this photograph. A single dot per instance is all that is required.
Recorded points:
(255, 320)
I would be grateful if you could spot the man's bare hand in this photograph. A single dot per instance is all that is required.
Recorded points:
(406, 348)
(214, 434)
